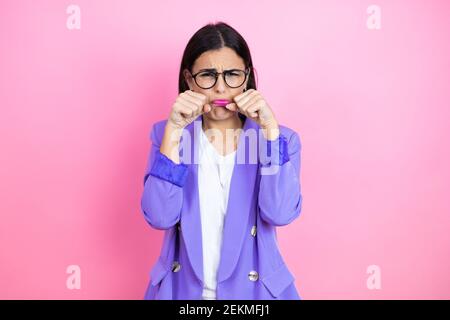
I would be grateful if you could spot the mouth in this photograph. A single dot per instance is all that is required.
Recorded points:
(220, 102)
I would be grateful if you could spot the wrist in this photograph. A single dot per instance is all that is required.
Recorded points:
(271, 130)
(171, 126)
(171, 142)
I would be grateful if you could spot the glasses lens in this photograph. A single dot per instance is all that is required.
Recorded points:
(205, 79)
(235, 78)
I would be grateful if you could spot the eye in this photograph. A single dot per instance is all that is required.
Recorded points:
(207, 74)
(234, 73)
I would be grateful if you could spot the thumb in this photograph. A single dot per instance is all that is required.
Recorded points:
(231, 106)
(206, 108)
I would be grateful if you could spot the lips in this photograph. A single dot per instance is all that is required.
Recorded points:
(221, 102)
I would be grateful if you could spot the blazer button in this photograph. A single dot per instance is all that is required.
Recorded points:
(253, 232)
(253, 275)
(178, 227)
(176, 266)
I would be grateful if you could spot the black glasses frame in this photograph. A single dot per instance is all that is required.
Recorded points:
(216, 74)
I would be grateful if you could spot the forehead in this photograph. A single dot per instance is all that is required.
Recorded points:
(221, 59)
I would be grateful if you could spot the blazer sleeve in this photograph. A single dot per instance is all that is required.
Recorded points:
(280, 198)
(162, 198)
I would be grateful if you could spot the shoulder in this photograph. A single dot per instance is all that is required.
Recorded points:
(292, 136)
(287, 132)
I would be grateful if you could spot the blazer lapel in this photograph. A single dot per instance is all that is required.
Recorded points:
(240, 200)
(190, 215)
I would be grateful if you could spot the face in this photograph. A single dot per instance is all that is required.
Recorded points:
(222, 59)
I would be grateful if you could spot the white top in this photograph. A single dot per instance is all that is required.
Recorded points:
(214, 177)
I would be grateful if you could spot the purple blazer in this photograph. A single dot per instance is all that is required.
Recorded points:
(251, 266)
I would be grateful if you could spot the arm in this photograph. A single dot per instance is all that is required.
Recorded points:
(162, 198)
(280, 198)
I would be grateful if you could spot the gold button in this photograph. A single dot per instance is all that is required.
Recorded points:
(253, 232)
(253, 275)
(176, 266)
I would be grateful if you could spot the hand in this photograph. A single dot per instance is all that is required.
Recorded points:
(187, 107)
(252, 104)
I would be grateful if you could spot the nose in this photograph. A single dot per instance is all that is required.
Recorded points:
(220, 86)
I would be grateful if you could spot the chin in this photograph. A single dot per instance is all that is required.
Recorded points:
(220, 113)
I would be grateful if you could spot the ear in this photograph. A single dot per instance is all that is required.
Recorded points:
(188, 78)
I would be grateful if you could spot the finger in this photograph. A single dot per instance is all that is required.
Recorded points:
(252, 110)
(195, 107)
(232, 107)
(248, 98)
(194, 99)
(206, 108)
(186, 108)
(184, 111)
(199, 100)
(250, 102)
(251, 114)
(243, 95)
(235, 107)
(197, 95)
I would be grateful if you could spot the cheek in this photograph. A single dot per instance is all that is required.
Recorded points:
(237, 91)
(200, 90)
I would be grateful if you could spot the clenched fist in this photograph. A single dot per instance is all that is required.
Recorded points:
(187, 107)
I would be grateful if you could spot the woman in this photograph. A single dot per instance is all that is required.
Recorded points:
(218, 201)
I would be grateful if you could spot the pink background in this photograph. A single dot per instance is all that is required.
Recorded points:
(371, 106)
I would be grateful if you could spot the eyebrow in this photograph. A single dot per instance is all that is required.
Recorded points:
(215, 70)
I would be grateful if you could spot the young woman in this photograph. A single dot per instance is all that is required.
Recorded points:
(218, 198)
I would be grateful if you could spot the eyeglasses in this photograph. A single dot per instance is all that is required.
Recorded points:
(207, 78)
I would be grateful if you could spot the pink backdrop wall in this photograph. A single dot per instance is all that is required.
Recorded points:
(371, 106)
